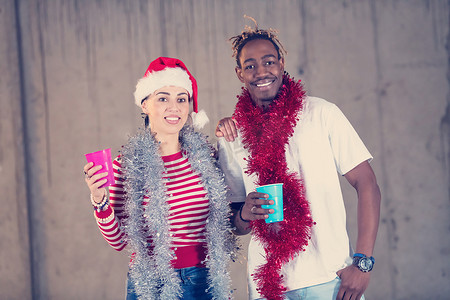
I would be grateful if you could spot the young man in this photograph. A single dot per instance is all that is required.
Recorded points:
(280, 135)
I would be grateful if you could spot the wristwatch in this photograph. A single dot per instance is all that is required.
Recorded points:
(362, 262)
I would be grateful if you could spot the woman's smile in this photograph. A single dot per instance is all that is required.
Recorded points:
(172, 119)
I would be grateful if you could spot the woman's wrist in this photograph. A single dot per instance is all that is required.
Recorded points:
(97, 200)
(100, 206)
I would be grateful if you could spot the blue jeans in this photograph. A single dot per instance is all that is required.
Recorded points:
(324, 291)
(193, 284)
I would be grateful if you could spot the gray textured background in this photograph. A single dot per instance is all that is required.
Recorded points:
(68, 70)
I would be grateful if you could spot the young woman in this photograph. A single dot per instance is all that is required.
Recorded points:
(168, 201)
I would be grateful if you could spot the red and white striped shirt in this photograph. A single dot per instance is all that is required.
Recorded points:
(189, 209)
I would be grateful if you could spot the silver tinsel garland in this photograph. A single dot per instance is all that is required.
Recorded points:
(143, 168)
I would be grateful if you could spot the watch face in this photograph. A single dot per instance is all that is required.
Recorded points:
(365, 264)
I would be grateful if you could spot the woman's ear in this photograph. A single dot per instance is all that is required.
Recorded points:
(144, 106)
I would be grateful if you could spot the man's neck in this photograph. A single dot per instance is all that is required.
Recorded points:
(264, 104)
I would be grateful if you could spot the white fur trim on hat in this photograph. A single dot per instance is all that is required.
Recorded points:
(200, 119)
(156, 80)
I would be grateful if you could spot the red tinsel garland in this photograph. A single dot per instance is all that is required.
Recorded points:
(265, 135)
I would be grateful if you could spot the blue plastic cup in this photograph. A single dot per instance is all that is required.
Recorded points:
(275, 192)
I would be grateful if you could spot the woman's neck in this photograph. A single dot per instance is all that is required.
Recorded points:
(168, 145)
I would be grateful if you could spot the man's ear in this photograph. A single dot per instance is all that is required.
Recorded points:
(282, 63)
(238, 71)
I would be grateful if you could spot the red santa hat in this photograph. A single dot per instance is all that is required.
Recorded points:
(166, 71)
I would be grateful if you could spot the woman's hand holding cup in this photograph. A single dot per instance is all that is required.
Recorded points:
(94, 181)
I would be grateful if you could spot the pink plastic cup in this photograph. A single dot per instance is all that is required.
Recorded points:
(103, 157)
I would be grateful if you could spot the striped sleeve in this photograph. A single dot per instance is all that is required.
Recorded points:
(109, 220)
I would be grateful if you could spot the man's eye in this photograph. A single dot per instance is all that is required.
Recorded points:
(249, 67)
(270, 63)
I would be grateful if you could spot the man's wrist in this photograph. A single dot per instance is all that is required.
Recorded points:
(241, 227)
(363, 262)
(240, 214)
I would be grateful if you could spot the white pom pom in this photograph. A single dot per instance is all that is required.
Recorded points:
(199, 119)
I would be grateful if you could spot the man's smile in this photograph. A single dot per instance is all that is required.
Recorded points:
(264, 83)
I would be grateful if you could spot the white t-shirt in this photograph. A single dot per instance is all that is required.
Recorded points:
(324, 144)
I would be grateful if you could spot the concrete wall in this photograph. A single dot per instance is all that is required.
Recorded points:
(68, 70)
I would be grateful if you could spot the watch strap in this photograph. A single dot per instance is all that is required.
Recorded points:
(359, 255)
(363, 255)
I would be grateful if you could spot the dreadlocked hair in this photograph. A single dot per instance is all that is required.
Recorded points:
(249, 34)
